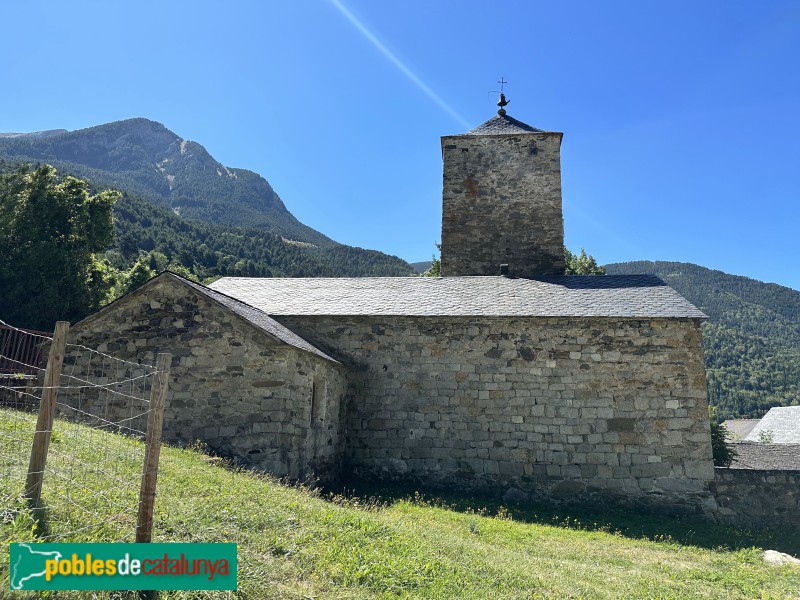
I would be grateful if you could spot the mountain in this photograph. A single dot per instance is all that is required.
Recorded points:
(147, 159)
(421, 267)
(751, 339)
(182, 208)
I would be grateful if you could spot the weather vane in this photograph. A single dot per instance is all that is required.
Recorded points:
(502, 102)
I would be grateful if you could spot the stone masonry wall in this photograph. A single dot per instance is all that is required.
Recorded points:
(501, 203)
(232, 386)
(570, 409)
(757, 498)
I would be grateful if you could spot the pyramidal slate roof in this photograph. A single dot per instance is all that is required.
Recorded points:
(781, 423)
(502, 124)
(644, 296)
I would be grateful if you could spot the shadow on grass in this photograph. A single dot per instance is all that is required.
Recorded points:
(685, 530)
(40, 515)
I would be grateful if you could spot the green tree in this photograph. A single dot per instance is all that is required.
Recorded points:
(582, 264)
(435, 270)
(179, 269)
(723, 454)
(139, 274)
(51, 232)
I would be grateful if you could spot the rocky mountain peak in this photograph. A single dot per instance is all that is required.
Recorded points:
(143, 156)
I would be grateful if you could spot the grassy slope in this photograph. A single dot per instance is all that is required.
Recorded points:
(293, 544)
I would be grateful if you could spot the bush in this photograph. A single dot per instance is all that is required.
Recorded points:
(722, 452)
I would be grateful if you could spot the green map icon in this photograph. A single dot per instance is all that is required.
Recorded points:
(27, 565)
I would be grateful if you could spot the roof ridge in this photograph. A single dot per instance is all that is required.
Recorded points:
(292, 339)
(205, 289)
(439, 277)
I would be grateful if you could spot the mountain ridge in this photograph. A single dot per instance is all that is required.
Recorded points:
(147, 158)
(35, 134)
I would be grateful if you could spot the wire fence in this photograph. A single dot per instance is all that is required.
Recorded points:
(56, 454)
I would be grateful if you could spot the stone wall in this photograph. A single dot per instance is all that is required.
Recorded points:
(20, 393)
(232, 386)
(569, 408)
(757, 498)
(501, 203)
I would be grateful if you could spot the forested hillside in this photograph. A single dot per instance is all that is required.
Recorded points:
(751, 339)
(145, 158)
(208, 250)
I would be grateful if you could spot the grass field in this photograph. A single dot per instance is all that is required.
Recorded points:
(294, 543)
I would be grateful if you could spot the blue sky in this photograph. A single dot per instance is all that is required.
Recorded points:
(681, 119)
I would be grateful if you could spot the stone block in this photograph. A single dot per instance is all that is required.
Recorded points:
(567, 488)
(699, 469)
(621, 424)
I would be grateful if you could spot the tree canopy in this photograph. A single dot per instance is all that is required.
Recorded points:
(582, 264)
(435, 270)
(52, 230)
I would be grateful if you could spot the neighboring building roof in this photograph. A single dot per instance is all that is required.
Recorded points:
(252, 315)
(739, 428)
(644, 296)
(783, 457)
(502, 124)
(781, 424)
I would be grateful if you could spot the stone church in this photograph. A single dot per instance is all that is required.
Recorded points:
(503, 375)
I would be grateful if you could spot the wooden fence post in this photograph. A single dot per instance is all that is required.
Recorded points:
(155, 422)
(47, 409)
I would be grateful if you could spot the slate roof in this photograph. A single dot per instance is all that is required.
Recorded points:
(782, 457)
(502, 124)
(782, 422)
(644, 296)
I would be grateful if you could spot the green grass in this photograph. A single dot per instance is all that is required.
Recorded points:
(294, 543)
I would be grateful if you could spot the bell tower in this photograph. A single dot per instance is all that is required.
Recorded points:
(501, 200)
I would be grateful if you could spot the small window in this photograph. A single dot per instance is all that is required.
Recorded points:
(318, 402)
